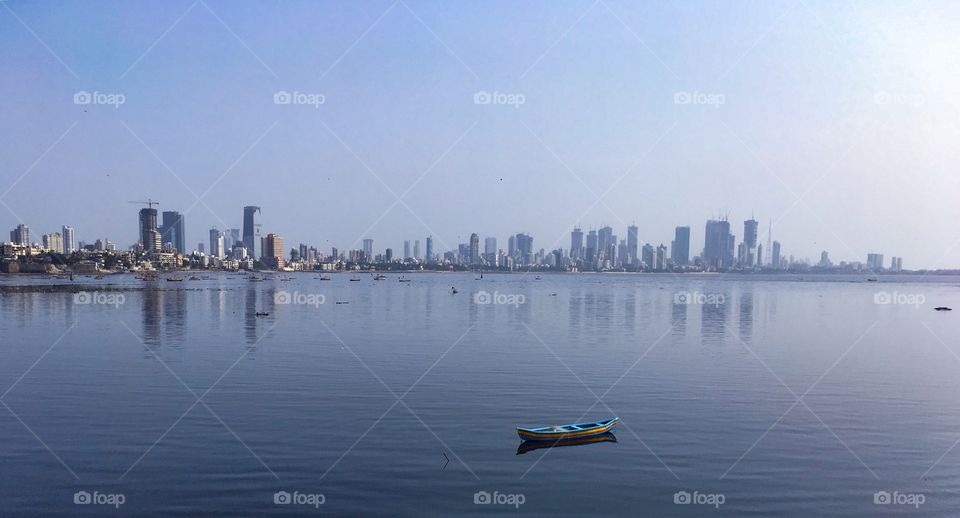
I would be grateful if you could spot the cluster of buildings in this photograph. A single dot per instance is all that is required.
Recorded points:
(161, 244)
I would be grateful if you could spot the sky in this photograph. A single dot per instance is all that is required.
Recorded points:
(835, 122)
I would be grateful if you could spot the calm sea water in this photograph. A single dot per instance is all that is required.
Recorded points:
(779, 396)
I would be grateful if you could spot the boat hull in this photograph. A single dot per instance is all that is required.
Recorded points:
(571, 431)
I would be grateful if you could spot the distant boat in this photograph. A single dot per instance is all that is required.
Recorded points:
(871, 279)
(943, 308)
(528, 446)
(262, 314)
(537, 278)
(404, 280)
(98, 277)
(453, 290)
(380, 277)
(194, 278)
(324, 277)
(174, 279)
(567, 431)
(355, 279)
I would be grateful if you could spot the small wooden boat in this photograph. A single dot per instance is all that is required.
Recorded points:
(567, 431)
(355, 280)
(528, 446)
(174, 279)
(942, 308)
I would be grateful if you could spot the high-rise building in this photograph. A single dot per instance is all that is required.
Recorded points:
(368, 249)
(775, 256)
(406, 251)
(69, 240)
(524, 251)
(429, 249)
(216, 243)
(631, 245)
(718, 245)
(20, 235)
(149, 235)
(681, 246)
(416, 249)
(590, 253)
(273, 251)
(576, 244)
(648, 256)
(875, 261)
(474, 248)
(825, 259)
(250, 229)
(172, 230)
(750, 227)
(661, 257)
(604, 241)
(53, 242)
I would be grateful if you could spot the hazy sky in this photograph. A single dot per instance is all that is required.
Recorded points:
(849, 107)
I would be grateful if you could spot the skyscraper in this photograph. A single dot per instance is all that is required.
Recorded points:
(605, 242)
(216, 243)
(591, 250)
(273, 251)
(750, 240)
(416, 249)
(775, 256)
(681, 246)
(368, 249)
(524, 244)
(661, 257)
(576, 244)
(20, 235)
(631, 245)
(249, 229)
(149, 235)
(172, 230)
(875, 261)
(474, 248)
(69, 240)
(429, 249)
(718, 245)
(406, 250)
(648, 257)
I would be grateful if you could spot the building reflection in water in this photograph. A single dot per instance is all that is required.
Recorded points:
(746, 314)
(678, 318)
(714, 312)
(150, 308)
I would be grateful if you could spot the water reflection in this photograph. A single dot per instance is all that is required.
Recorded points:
(746, 315)
(714, 313)
(528, 446)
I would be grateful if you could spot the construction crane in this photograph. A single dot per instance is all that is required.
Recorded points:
(149, 203)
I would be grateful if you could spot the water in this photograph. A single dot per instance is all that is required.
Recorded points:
(306, 399)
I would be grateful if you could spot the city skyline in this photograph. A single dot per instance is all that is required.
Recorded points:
(661, 132)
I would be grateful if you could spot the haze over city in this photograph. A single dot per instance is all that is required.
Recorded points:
(837, 123)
